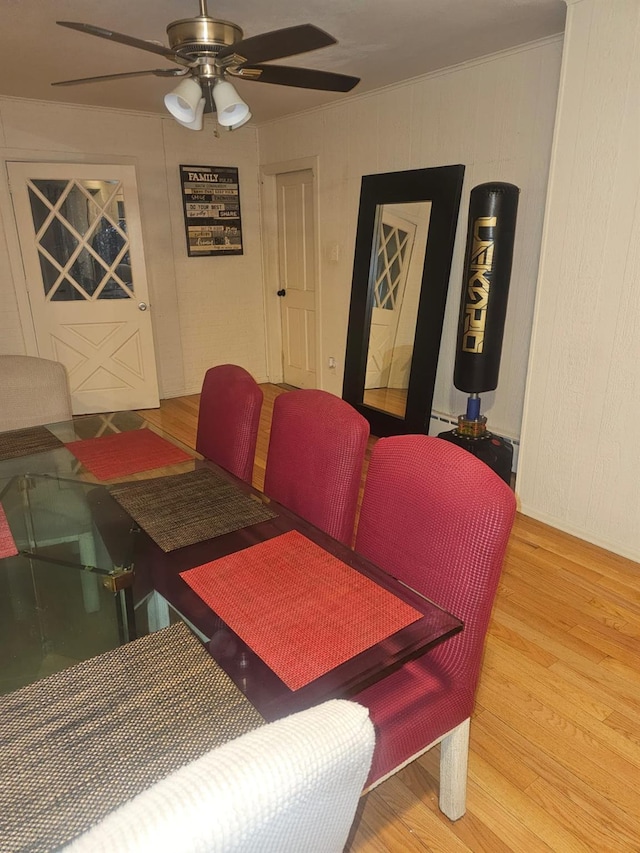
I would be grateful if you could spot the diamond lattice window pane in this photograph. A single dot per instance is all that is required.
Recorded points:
(50, 189)
(395, 272)
(66, 292)
(113, 290)
(80, 211)
(123, 272)
(107, 241)
(383, 293)
(59, 242)
(88, 271)
(115, 211)
(39, 210)
(101, 190)
(49, 273)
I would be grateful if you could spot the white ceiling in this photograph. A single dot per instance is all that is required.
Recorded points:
(380, 41)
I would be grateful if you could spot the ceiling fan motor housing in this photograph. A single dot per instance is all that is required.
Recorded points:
(190, 38)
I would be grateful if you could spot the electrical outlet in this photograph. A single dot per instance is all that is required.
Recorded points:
(332, 363)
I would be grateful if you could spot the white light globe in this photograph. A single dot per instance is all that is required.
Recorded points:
(230, 107)
(183, 102)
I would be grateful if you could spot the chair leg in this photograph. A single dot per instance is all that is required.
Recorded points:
(454, 759)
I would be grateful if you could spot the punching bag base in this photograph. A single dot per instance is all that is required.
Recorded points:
(494, 451)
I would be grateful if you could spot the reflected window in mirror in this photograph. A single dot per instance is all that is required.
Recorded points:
(404, 245)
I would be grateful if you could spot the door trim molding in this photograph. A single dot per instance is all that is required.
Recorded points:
(269, 228)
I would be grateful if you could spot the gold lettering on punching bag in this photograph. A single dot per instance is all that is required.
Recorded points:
(479, 283)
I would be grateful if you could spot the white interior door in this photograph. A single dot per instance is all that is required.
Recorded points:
(297, 265)
(81, 244)
(393, 254)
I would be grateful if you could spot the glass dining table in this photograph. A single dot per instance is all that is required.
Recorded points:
(101, 561)
(153, 607)
(65, 597)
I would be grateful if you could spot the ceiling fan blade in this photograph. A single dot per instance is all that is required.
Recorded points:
(303, 78)
(279, 43)
(121, 38)
(158, 72)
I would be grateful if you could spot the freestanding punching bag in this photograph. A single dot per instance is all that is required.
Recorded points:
(485, 290)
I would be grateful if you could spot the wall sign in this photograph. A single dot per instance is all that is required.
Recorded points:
(211, 202)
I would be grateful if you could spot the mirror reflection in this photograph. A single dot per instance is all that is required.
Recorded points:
(395, 279)
(401, 266)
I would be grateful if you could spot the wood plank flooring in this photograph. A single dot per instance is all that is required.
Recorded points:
(554, 761)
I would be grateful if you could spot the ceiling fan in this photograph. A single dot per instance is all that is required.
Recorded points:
(209, 52)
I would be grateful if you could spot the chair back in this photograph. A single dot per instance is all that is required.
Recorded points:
(35, 391)
(315, 457)
(437, 518)
(287, 787)
(228, 419)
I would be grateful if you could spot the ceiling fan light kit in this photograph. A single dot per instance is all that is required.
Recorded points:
(231, 109)
(209, 51)
(183, 101)
(196, 123)
(240, 123)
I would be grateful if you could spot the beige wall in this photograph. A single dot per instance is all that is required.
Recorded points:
(221, 299)
(204, 310)
(579, 465)
(496, 117)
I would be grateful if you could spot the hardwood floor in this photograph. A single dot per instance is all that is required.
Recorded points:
(554, 761)
(392, 400)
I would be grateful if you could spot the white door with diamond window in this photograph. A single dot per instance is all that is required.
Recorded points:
(81, 244)
(393, 249)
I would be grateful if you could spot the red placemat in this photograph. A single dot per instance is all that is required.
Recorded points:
(124, 453)
(7, 543)
(300, 609)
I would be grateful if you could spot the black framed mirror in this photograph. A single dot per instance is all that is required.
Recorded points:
(404, 245)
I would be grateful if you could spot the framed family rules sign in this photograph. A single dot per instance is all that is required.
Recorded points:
(211, 203)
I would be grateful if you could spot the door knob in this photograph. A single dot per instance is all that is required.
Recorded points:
(282, 292)
(142, 306)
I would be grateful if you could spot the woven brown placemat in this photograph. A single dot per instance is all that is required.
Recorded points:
(78, 744)
(187, 508)
(25, 442)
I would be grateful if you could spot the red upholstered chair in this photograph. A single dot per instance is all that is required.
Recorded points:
(315, 458)
(439, 519)
(228, 419)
